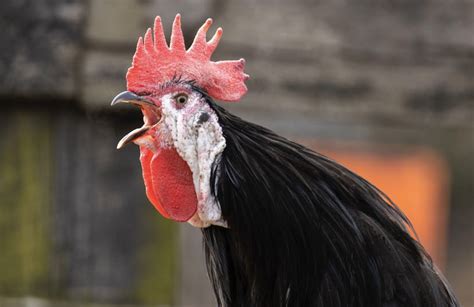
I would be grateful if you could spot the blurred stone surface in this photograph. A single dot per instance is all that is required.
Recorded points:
(123, 21)
(115, 21)
(103, 78)
(357, 60)
(374, 26)
(40, 48)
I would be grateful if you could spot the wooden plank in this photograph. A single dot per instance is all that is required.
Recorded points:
(25, 194)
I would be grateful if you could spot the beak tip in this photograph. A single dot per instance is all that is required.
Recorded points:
(124, 96)
(120, 145)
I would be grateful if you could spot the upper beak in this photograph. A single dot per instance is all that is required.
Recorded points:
(131, 98)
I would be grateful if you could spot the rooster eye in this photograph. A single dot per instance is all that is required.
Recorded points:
(181, 99)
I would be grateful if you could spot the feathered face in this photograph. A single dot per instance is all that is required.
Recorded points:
(179, 141)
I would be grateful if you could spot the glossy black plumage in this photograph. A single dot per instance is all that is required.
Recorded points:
(305, 231)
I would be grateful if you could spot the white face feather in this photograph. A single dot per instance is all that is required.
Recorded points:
(194, 130)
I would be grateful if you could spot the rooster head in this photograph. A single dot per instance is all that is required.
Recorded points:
(181, 137)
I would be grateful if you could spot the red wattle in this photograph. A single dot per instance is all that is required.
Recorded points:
(145, 158)
(169, 184)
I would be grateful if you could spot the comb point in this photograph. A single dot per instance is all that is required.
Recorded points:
(148, 41)
(177, 39)
(160, 41)
(140, 42)
(214, 42)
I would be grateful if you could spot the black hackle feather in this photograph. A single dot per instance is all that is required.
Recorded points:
(306, 231)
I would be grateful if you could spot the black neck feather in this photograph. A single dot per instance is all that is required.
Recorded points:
(305, 231)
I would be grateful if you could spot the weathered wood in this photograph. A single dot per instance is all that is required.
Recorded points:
(75, 222)
(25, 203)
(117, 247)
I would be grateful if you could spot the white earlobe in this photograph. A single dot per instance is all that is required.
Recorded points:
(210, 143)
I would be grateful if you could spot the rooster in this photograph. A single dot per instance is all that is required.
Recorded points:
(282, 225)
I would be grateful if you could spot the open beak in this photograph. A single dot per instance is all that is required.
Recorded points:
(151, 115)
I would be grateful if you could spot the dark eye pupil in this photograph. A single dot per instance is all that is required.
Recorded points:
(181, 99)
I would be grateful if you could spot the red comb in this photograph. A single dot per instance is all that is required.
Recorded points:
(155, 63)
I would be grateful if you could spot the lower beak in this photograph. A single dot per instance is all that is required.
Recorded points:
(151, 115)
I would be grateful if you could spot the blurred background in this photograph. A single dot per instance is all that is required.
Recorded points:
(385, 87)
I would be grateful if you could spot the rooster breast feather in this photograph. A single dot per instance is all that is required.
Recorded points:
(305, 231)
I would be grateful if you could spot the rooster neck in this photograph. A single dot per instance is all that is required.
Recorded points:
(305, 231)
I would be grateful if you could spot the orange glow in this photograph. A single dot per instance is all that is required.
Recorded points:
(416, 180)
